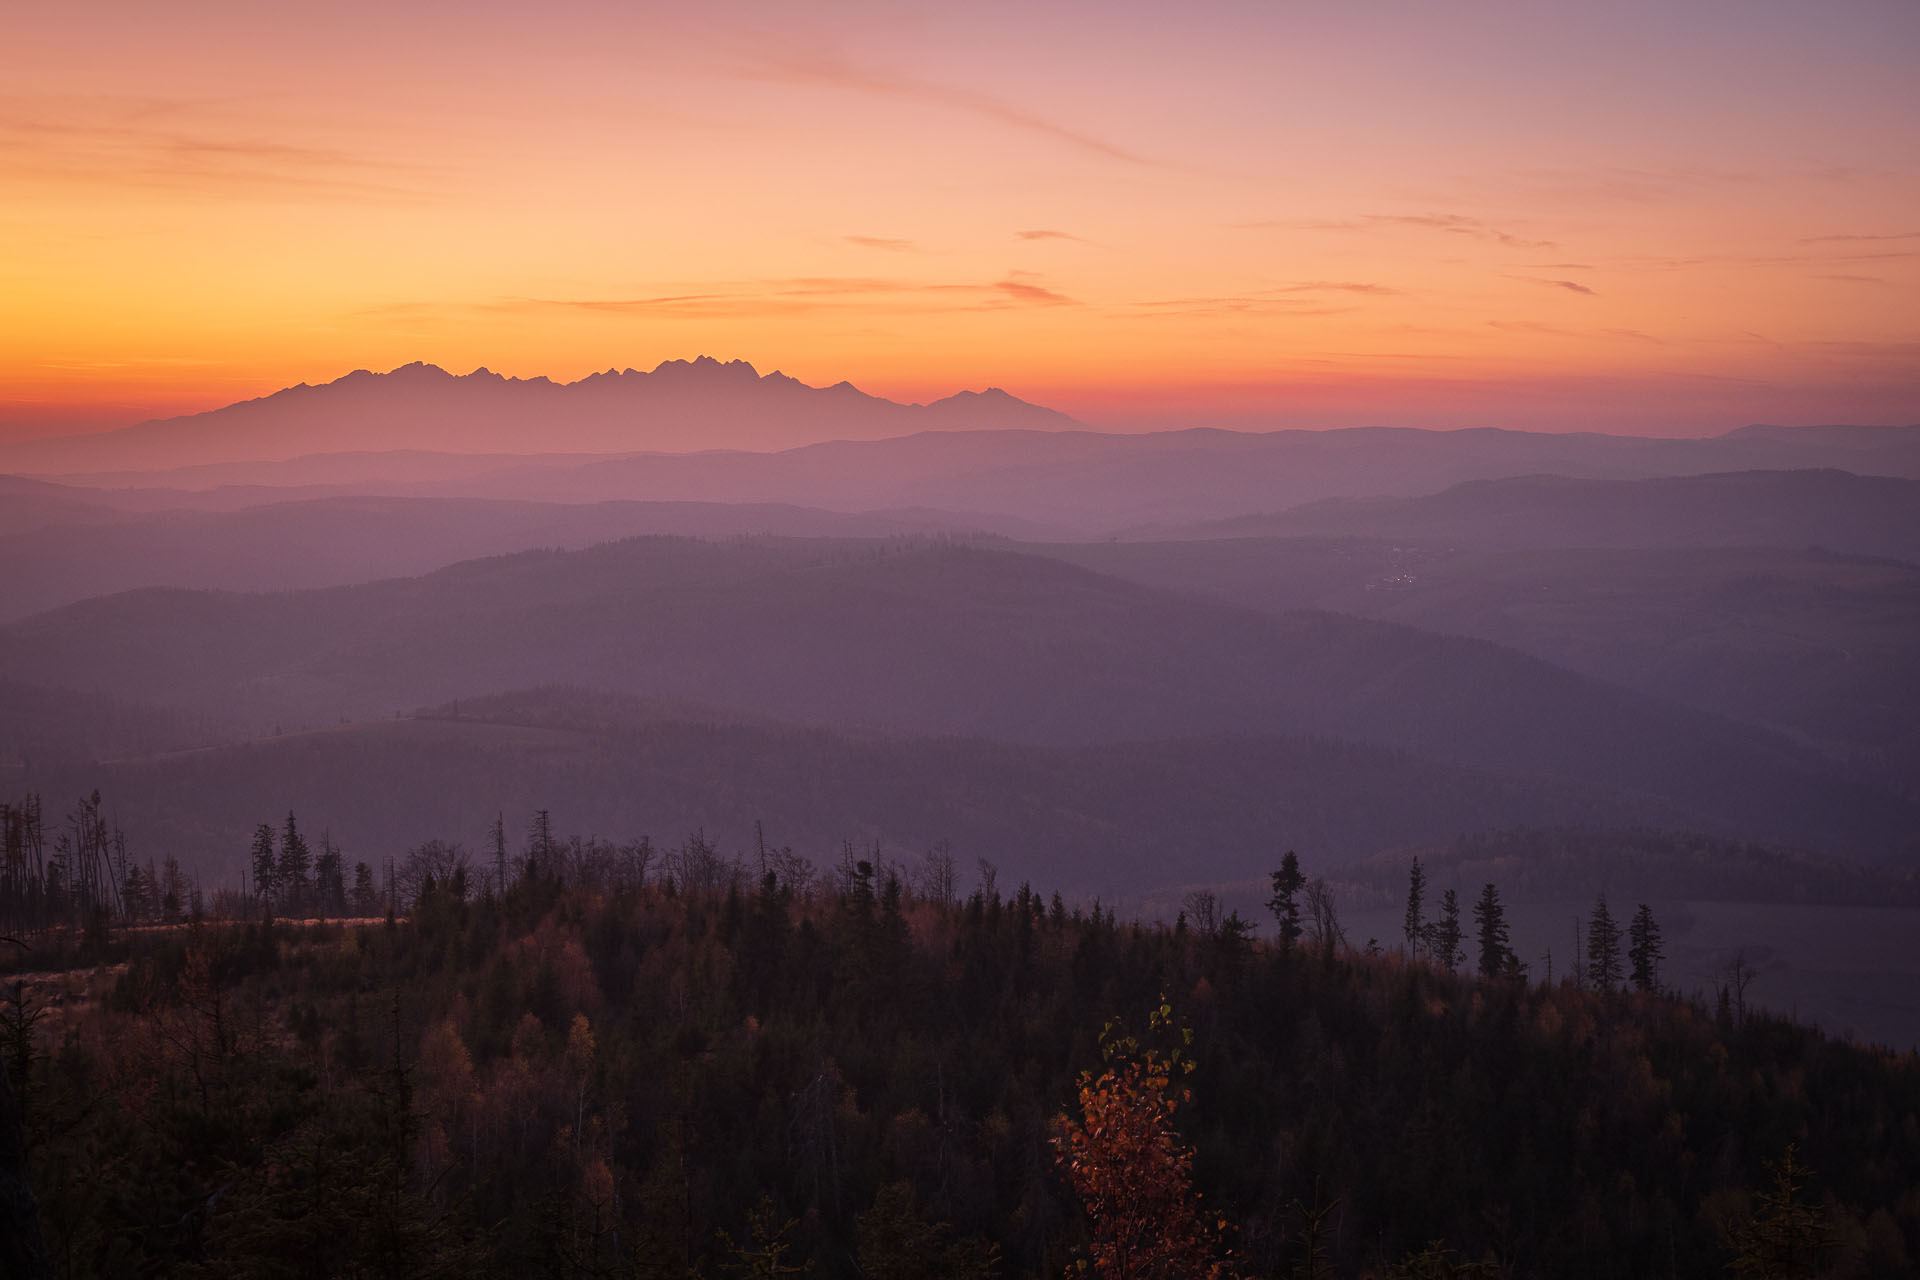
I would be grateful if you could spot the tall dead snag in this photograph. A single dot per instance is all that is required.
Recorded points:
(1130, 1167)
(23, 1249)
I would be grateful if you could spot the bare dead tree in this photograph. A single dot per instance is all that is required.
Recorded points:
(1740, 976)
(938, 881)
(1323, 920)
(1202, 908)
(23, 1248)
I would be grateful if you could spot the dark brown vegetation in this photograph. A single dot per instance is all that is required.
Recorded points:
(637, 1062)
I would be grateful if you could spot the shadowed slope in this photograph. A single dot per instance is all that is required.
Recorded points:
(933, 640)
(1103, 819)
(1816, 643)
(340, 541)
(1865, 515)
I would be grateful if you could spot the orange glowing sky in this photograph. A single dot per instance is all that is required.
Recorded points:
(1652, 217)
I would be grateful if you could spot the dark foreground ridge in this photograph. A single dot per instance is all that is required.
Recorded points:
(642, 1063)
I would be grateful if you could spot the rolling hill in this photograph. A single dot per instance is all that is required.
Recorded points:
(932, 640)
(1100, 819)
(1819, 645)
(339, 541)
(1835, 510)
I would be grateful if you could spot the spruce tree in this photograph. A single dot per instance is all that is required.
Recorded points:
(499, 840)
(1784, 1236)
(539, 842)
(1285, 905)
(1415, 924)
(364, 897)
(266, 871)
(1645, 951)
(1603, 947)
(1491, 919)
(329, 878)
(1443, 935)
(296, 862)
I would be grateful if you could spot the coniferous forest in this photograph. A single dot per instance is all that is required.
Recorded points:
(1005, 641)
(577, 1060)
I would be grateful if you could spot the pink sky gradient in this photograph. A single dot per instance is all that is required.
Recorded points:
(1635, 217)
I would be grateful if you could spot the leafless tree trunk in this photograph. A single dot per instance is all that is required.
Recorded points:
(1322, 918)
(23, 1249)
(1740, 975)
(1202, 908)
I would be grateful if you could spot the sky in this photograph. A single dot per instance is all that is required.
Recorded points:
(1643, 217)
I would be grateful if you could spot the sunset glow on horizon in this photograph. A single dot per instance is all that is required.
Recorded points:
(1644, 218)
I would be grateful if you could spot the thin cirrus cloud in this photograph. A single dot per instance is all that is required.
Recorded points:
(1845, 239)
(803, 293)
(1021, 291)
(173, 146)
(1456, 224)
(1571, 286)
(821, 71)
(1447, 223)
(1243, 305)
(1287, 299)
(1338, 286)
(1582, 335)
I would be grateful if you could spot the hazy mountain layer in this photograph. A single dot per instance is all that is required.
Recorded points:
(328, 542)
(40, 725)
(706, 431)
(1822, 645)
(679, 406)
(931, 641)
(1109, 819)
(1103, 483)
(1867, 515)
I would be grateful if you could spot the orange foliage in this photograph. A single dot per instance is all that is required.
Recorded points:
(1132, 1170)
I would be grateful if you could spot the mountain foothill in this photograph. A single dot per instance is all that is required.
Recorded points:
(701, 598)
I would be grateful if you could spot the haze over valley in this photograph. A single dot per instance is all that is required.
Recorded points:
(1114, 664)
(988, 642)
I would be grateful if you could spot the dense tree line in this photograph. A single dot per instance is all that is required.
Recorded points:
(78, 872)
(581, 1059)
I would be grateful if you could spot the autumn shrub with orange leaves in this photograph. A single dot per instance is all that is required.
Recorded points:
(1130, 1167)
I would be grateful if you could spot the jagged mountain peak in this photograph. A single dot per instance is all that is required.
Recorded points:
(679, 406)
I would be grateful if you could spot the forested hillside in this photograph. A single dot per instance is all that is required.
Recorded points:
(1814, 643)
(662, 1064)
(921, 639)
(1103, 818)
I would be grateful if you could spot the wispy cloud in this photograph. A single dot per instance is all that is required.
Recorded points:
(1855, 239)
(1769, 260)
(1614, 185)
(665, 302)
(186, 147)
(794, 295)
(1050, 235)
(881, 242)
(828, 72)
(1446, 223)
(1571, 286)
(1289, 300)
(1337, 286)
(1533, 326)
(1456, 224)
(1021, 291)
